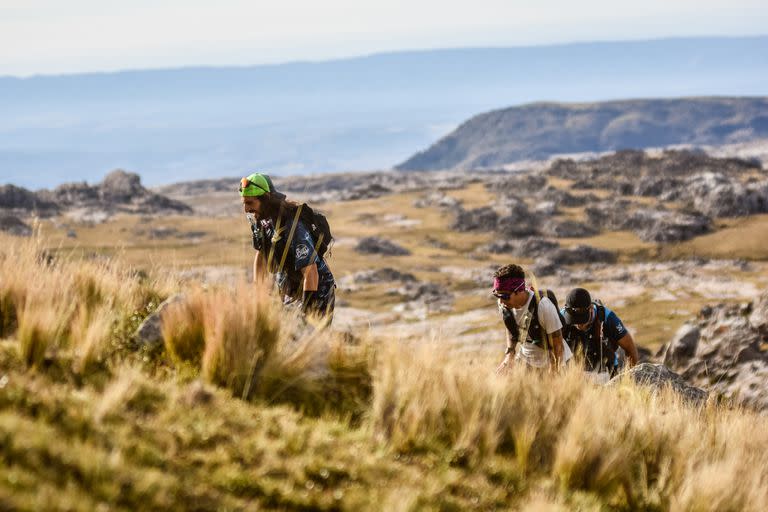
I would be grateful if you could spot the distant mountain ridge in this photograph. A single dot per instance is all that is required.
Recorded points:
(540, 130)
(362, 113)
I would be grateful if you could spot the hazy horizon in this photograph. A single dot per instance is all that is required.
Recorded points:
(354, 114)
(370, 54)
(49, 37)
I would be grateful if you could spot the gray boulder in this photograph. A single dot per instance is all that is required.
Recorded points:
(376, 245)
(719, 195)
(563, 198)
(610, 214)
(683, 346)
(437, 199)
(544, 267)
(730, 356)
(380, 275)
(568, 229)
(149, 333)
(478, 219)
(582, 254)
(430, 297)
(665, 227)
(759, 316)
(520, 221)
(14, 226)
(22, 201)
(529, 247)
(658, 376)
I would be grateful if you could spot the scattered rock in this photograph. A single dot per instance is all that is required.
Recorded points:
(478, 219)
(545, 208)
(568, 229)
(19, 200)
(544, 267)
(582, 254)
(381, 275)
(729, 357)
(149, 333)
(683, 346)
(376, 245)
(529, 247)
(437, 199)
(730, 199)
(431, 297)
(658, 376)
(668, 227)
(14, 226)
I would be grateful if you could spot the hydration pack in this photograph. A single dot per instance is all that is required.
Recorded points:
(535, 330)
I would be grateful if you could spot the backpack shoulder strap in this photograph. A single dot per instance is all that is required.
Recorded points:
(509, 322)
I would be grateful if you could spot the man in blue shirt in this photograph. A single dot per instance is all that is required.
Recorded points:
(596, 332)
(286, 248)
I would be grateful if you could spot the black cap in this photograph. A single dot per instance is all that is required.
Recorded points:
(577, 306)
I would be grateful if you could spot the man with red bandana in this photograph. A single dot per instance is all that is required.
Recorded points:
(533, 324)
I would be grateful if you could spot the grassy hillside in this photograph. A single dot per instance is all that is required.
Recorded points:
(540, 130)
(244, 407)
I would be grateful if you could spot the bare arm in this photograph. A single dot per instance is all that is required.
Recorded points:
(556, 343)
(628, 344)
(311, 277)
(259, 267)
(508, 354)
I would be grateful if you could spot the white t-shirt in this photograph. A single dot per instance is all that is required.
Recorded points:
(550, 322)
(548, 316)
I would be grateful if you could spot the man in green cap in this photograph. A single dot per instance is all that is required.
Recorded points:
(290, 241)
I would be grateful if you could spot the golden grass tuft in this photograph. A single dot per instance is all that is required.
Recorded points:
(183, 331)
(67, 303)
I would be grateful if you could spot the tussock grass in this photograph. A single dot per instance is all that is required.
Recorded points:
(392, 426)
(65, 303)
(244, 340)
(624, 446)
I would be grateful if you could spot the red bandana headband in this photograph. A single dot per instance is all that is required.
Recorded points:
(508, 284)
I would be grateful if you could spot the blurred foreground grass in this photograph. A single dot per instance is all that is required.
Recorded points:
(245, 407)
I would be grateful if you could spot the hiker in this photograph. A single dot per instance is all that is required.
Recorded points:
(596, 332)
(290, 242)
(532, 321)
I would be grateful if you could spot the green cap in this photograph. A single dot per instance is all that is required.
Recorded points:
(254, 185)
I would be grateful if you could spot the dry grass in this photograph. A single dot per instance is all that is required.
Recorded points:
(67, 303)
(392, 426)
(623, 445)
(242, 339)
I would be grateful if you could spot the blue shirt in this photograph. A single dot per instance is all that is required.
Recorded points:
(613, 330)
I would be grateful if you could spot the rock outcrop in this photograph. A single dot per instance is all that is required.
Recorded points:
(14, 226)
(149, 333)
(381, 246)
(477, 219)
(658, 376)
(725, 350)
(119, 192)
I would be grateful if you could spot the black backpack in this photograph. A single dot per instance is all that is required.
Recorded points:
(318, 227)
(571, 335)
(533, 306)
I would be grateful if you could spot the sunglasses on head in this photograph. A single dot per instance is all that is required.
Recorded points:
(245, 183)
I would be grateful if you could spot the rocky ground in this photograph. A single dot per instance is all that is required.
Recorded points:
(119, 192)
(415, 252)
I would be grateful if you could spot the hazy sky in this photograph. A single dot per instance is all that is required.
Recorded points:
(64, 36)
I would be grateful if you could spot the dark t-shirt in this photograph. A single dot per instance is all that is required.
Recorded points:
(613, 330)
(298, 253)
